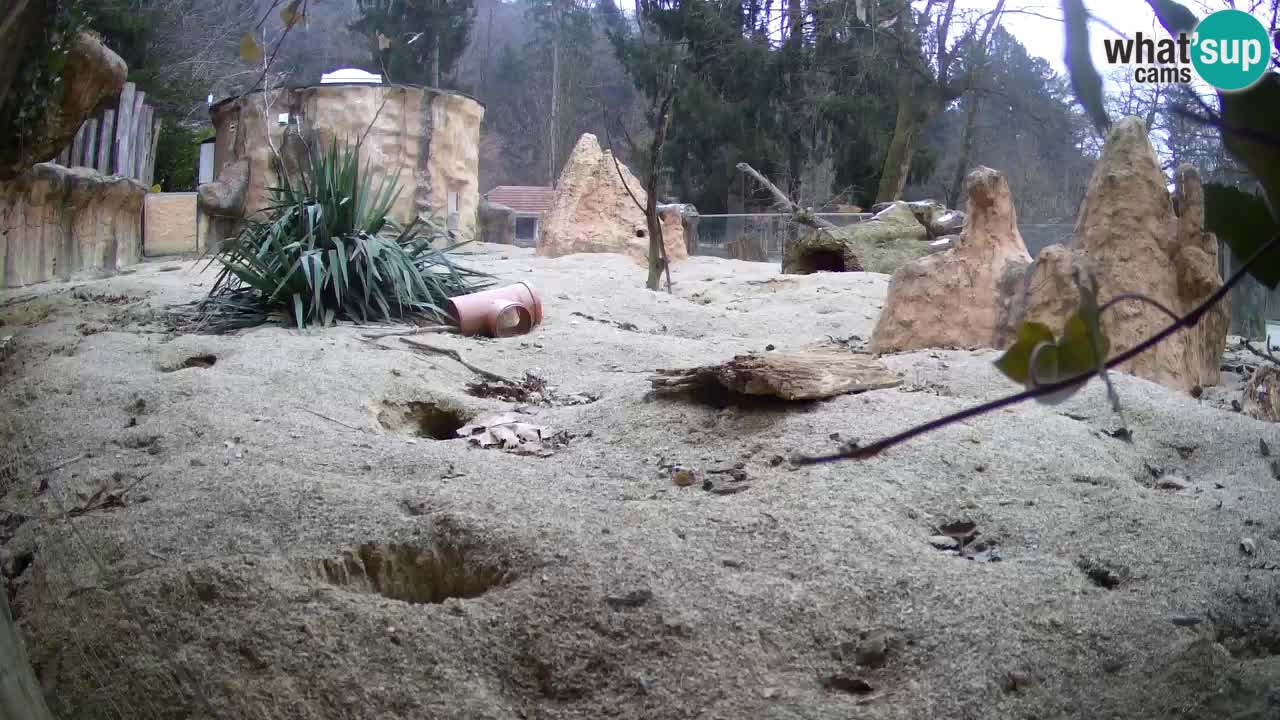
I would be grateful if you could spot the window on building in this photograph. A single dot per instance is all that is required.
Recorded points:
(526, 230)
(453, 210)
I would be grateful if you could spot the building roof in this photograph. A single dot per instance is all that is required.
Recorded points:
(523, 198)
(350, 75)
(438, 91)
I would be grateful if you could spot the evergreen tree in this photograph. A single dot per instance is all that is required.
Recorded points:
(416, 41)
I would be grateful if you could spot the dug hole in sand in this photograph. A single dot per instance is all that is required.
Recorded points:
(270, 524)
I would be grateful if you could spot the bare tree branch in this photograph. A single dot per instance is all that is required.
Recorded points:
(801, 216)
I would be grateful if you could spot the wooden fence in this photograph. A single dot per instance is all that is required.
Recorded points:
(118, 139)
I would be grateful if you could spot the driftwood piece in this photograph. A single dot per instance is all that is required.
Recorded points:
(799, 214)
(1262, 394)
(810, 374)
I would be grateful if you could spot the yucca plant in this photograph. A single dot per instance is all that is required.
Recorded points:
(326, 250)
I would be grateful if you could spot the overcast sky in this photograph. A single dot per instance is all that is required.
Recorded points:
(1044, 36)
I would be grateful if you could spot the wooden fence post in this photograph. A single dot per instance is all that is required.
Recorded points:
(150, 178)
(77, 147)
(135, 139)
(118, 141)
(91, 144)
(144, 139)
(124, 119)
(106, 141)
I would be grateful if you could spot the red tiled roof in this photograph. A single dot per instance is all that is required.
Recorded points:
(523, 198)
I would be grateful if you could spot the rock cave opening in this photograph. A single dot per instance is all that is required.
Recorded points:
(822, 260)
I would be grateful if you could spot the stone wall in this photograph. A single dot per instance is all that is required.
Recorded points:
(169, 222)
(427, 138)
(57, 222)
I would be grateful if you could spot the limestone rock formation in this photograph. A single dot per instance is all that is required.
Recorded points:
(1129, 236)
(221, 203)
(688, 224)
(882, 244)
(226, 195)
(673, 236)
(960, 297)
(92, 73)
(497, 223)
(594, 213)
(427, 139)
(65, 221)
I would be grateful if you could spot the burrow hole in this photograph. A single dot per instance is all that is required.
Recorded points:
(418, 574)
(203, 362)
(422, 418)
(815, 261)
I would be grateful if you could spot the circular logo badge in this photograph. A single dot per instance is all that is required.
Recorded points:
(1232, 50)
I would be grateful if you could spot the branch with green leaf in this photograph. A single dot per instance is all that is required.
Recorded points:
(1055, 367)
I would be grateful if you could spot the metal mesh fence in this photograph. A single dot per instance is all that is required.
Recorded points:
(760, 237)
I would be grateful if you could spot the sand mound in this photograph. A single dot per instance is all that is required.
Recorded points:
(279, 532)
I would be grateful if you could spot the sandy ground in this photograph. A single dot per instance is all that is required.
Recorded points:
(267, 562)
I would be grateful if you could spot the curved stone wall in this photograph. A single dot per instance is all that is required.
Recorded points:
(427, 138)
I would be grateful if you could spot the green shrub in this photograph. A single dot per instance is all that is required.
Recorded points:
(178, 156)
(327, 251)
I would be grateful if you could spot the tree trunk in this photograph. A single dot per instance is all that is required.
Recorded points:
(488, 52)
(555, 100)
(435, 64)
(657, 246)
(966, 149)
(12, 27)
(916, 107)
(20, 696)
(686, 180)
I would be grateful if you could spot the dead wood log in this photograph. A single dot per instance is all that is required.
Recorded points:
(799, 214)
(809, 374)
